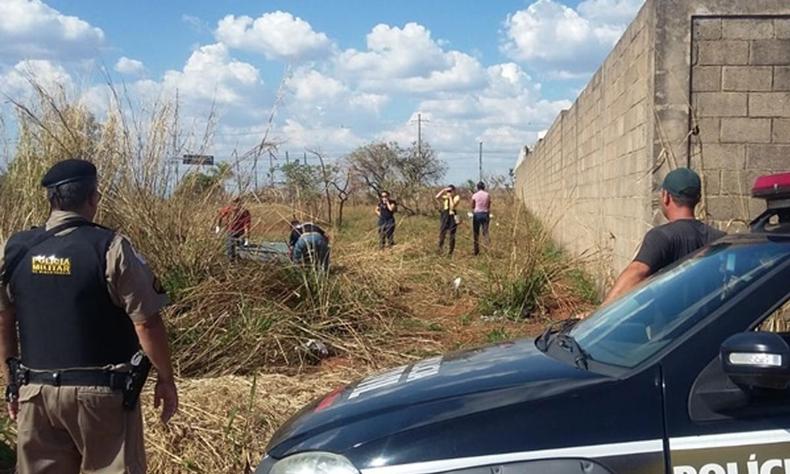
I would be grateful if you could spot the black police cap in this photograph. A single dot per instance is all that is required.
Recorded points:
(68, 171)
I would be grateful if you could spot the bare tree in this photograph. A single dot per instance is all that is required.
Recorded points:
(405, 172)
(419, 167)
(376, 164)
(343, 193)
(326, 181)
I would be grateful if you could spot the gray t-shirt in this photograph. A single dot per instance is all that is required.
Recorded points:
(668, 243)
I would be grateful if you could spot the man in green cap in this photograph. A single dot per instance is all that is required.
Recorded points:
(79, 302)
(663, 245)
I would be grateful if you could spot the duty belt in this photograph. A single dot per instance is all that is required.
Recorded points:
(76, 378)
(129, 383)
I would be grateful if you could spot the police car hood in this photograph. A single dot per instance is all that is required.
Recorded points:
(430, 391)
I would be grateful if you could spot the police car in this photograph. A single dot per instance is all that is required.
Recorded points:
(675, 377)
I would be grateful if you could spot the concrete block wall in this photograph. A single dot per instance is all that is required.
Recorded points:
(588, 178)
(742, 109)
(699, 83)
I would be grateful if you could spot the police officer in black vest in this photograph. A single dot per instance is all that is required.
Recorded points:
(80, 303)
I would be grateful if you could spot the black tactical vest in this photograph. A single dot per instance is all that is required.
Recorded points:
(65, 315)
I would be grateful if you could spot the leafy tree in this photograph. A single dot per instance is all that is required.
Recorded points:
(199, 184)
(302, 181)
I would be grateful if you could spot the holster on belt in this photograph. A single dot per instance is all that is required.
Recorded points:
(135, 380)
(130, 383)
(12, 389)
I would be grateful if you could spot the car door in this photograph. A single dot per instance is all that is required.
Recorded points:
(712, 426)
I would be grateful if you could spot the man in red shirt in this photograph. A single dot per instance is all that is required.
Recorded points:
(235, 221)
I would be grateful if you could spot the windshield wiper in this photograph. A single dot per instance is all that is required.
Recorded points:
(559, 327)
(570, 343)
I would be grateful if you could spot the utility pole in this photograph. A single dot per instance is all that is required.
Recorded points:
(271, 168)
(235, 157)
(305, 158)
(419, 135)
(175, 141)
(287, 158)
(480, 162)
(255, 172)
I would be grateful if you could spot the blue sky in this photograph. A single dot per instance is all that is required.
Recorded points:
(357, 71)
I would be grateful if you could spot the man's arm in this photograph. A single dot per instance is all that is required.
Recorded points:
(298, 250)
(651, 255)
(8, 340)
(8, 348)
(221, 215)
(441, 193)
(247, 223)
(134, 288)
(635, 273)
(153, 340)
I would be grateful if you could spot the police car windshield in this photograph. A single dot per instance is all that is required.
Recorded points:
(640, 324)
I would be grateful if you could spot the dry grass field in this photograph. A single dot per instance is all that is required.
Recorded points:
(240, 331)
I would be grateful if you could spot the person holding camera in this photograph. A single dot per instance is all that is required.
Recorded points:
(448, 217)
(386, 209)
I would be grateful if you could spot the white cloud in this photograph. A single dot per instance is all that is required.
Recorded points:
(408, 59)
(616, 12)
(396, 52)
(563, 41)
(29, 29)
(211, 74)
(310, 85)
(129, 66)
(298, 135)
(320, 102)
(17, 82)
(505, 113)
(276, 35)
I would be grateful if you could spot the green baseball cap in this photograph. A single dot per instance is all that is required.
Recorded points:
(683, 182)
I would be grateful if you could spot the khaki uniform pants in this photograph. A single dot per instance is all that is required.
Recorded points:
(68, 430)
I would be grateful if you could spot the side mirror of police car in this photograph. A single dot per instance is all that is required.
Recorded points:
(757, 360)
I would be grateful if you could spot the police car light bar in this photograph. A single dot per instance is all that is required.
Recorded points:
(774, 188)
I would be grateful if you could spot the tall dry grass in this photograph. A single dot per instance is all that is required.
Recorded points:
(231, 323)
(226, 319)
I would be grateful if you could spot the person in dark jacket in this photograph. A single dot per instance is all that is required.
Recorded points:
(80, 302)
(385, 210)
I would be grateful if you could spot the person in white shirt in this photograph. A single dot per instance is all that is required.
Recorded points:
(481, 208)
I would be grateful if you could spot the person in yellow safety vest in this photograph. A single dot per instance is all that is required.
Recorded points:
(449, 217)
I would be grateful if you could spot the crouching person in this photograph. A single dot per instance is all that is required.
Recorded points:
(310, 245)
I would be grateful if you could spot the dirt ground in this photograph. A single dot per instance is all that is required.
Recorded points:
(225, 422)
